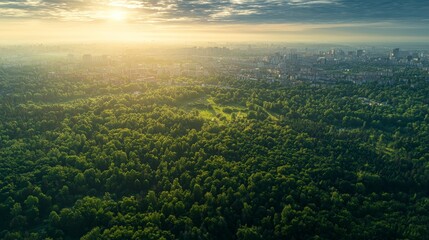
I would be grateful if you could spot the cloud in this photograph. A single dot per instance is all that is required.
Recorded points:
(238, 11)
(310, 2)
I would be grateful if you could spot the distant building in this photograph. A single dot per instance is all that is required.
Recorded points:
(293, 57)
(87, 58)
(70, 58)
(360, 52)
(321, 60)
(395, 53)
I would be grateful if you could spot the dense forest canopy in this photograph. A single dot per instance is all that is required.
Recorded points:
(212, 158)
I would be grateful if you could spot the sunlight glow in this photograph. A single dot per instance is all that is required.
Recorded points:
(117, 16)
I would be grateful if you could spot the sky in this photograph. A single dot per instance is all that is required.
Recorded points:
(179, 21)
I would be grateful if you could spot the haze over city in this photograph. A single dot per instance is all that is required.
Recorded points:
(173, 21)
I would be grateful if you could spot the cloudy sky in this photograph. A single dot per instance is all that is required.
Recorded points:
(200, 20)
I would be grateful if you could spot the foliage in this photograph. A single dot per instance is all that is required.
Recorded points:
(228, 160)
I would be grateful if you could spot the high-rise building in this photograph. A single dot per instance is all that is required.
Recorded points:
(395, 53)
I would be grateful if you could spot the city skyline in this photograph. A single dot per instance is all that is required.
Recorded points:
(39, 21)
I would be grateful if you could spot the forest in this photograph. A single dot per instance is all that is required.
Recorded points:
(212, 158)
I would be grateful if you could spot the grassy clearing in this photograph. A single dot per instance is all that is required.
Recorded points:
(212, 111)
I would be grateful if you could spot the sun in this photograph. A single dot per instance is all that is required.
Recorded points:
(117, 16)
